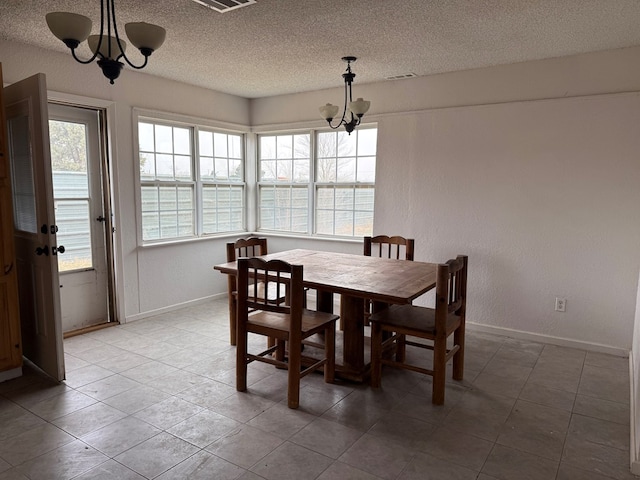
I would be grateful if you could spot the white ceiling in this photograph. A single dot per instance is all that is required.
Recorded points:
(284, 46)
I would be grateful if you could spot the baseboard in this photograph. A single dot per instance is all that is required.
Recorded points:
(10, 374)
(172, 308)
(633, 447)
(562, 342)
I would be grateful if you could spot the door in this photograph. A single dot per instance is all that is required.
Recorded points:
(34, 224)
(76, 162)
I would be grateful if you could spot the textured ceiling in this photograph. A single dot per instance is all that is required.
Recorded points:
(284, 46)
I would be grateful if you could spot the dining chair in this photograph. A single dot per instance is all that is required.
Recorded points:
(433, 324)
(385, 246)
(243, 247)
(389, 247)
(289, 324)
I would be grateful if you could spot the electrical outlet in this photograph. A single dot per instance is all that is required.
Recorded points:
(561, 304)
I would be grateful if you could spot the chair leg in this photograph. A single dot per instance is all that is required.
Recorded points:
(293, 389)
(233, 319)
(401, 349)
(376, 355)
(241, 362)
(458, 357)
(439, 370)
(330, 352)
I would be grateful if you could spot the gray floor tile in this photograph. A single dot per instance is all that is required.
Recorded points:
(67, 461)
(245, 445)
(203, 466)
(291, 462)
(427, 467)
(120, 436)
(506, 463)
(110, 470)
(156, 455)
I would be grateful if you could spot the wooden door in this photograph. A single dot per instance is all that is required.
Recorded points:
(34, 224)
(10, 346)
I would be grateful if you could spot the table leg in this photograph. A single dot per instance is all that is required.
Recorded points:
(352, 313)
(324, 301)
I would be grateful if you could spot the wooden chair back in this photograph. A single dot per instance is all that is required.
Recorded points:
(389, 247)
(246, 247)
(259, 279)
(243, 247)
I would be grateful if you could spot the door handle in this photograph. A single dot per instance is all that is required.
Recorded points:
(43, 250)
(57, 250)
(8, 268)
(101, 219)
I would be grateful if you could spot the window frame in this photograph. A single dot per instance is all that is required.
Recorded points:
(194, 125)
(313, 185)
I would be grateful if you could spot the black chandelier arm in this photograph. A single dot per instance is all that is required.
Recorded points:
(79, 60)
(117, 35)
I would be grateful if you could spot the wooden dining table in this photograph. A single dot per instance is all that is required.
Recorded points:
(355, 278)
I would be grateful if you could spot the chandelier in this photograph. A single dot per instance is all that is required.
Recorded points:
(353, 110)
(107, 47)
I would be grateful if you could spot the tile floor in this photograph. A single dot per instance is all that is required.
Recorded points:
(156, 399)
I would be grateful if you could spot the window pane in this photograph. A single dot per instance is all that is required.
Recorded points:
(268, 147)
(182, 141)
(364, 198)
(235, 170)
(164, 139)
(222, 169)
(344, 199)
(235, 146)
(72, 219)
(344, 223)
(285, 146)
(346, 170)
(325, 198)
(150, 199)
(326, 170)
(150, 226)
(268, 170)
(164, 167)
(205, 143)
(220, 145)
(324, 222)
(302, 146)
(363, 224)
(284, 169)
(183, 167)
(168, 199)
(346, 144)
(145, 136)
(367, 140)
(301, 171)
(326, 144)
(207, 172)
(147, 166)
(366, 169)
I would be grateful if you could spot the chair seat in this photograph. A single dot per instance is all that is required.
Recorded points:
(413, 318)
(312, 321)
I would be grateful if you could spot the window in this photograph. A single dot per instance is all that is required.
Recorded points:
(326, 188)
(189, 188)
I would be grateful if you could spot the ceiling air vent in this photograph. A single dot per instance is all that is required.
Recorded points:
(404, 75)
(223, 6)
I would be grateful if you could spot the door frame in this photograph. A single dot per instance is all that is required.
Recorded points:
(109, 167)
